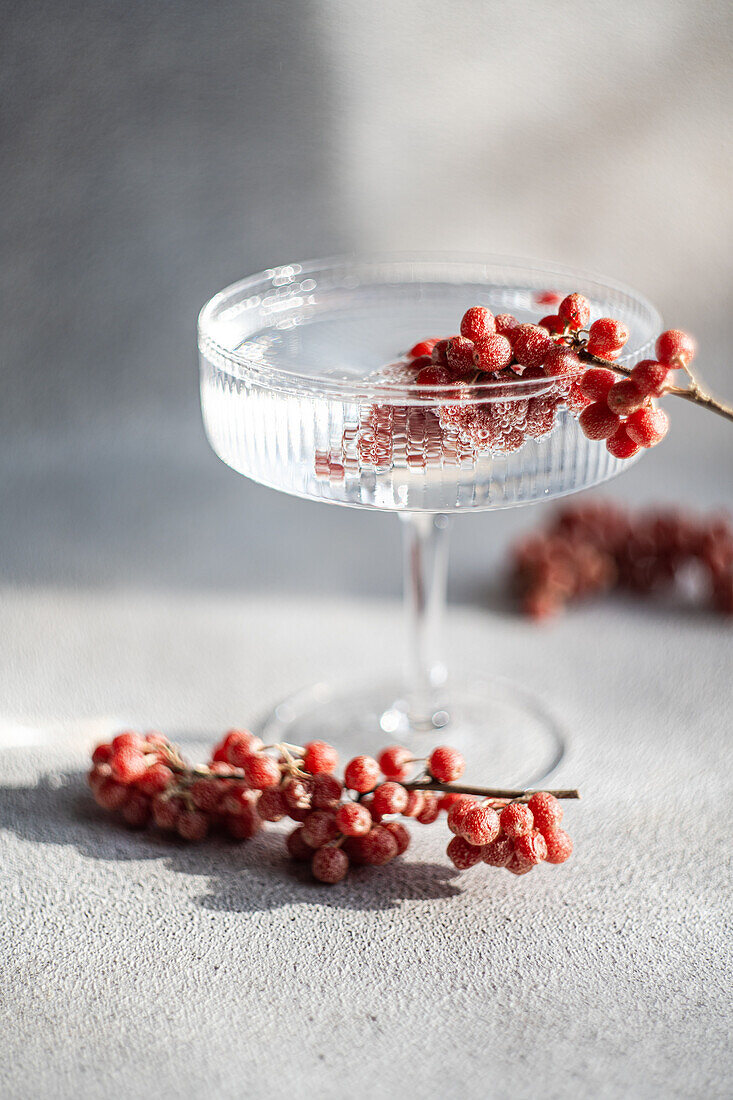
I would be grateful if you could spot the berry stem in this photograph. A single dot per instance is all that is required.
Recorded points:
(694, 392)
(484, 792)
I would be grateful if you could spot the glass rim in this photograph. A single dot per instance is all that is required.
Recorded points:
(237, 363)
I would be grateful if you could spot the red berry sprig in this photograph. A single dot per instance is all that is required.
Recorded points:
(573, 362)
(598, 546)
(338, 824)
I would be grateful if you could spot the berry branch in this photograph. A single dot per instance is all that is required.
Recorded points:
(338, 823)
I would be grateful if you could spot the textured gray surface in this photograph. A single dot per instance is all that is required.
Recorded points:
(137, 968)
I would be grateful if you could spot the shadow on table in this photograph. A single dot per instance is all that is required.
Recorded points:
(242, 877)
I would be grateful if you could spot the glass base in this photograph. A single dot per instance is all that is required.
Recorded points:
(506, 734)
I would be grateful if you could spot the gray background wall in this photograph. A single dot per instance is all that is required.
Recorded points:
(153, 153)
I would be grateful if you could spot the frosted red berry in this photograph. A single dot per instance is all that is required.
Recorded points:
(329, 865)
(531, 344)
(379, 846)
(423, 347)
(505, 323)
(296, 845)
(320, 757)
(462, 854)
(446, 764)
(128, 740)
(192, 825)
(415, 803)
(127, 764)
(675, 348)
(480, 825)
(498, 852)
(244, 825)
(650, 377)
(102, 754)
(559, 846)
(531, 847)
(389, 798)
(574, 311)
(559, 362)
(477, 322)
(157, 778)
(457, 814)
(353, 819)
(546, 810)
(439, 354)
(647, 426)
(361, 774)
(516, 820)
(260, 771)
(271, 805)
(597, 421)
(607, 337)
(434, 376)
(430, 809)
(110, 794)
(319, 828)
(394, 762)
(137, 810)
(596, 383)
(554, 324)
(518, 866)
(621, 445)
(166, 811)
(459, 354)
(492, 352)
(625, 397)
(327, 790)
(400, 834)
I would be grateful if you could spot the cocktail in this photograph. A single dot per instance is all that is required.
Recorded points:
(295, 395)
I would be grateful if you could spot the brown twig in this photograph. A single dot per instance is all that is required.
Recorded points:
(485, 792)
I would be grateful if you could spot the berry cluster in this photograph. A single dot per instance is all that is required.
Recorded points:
(551, 358)
(339, 823)
(595, 547)
(514, 834)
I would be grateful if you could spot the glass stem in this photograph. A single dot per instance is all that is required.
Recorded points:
(425, 540)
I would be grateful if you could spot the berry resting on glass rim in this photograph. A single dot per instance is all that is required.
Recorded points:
(339, 824)
(504, 382)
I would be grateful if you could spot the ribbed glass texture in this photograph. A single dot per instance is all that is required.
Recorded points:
(289, 397)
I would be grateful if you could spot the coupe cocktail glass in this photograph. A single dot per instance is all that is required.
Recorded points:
(293, 397)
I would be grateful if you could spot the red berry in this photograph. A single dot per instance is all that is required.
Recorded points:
(206, 794)
(389, 798)
(424, 347)
(439, 354)
(477, 322)
(675, 348)
(361, 774)
(166, 811)
(516, 820)
(415, 804)
(379, 846)
(446, 764)
(559, 846)
(128, 764)
(554, 324)
(596, 383)
(192, 825)
(298, 793)
(492, 352)
(625, 397)
(518, 866)
(111, 795)
(647, 426)
(597, 421)
(271, 805)
(531, 344)
(505, 323)
(574, 311)
(329, 865)
(559, 362)
(430, 810)
(459, 353)
(452, 798)
(480, 825)
(650, 377)
(457, 814)
(606, 337)
(319, 828)
(260, 771)
(238, 799)
(498, 852)
(297, 847)
(157, 778)
(327, 790)
(136, 810)
(244, 825)
(462, 854)
(621, 445)
(394, 762)
(128, 740)
(546, 810)
(102, 754)
(400, 834)
(320, 757)
(353, 819)
(434, 376)
(240, 744)
(531, 847)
